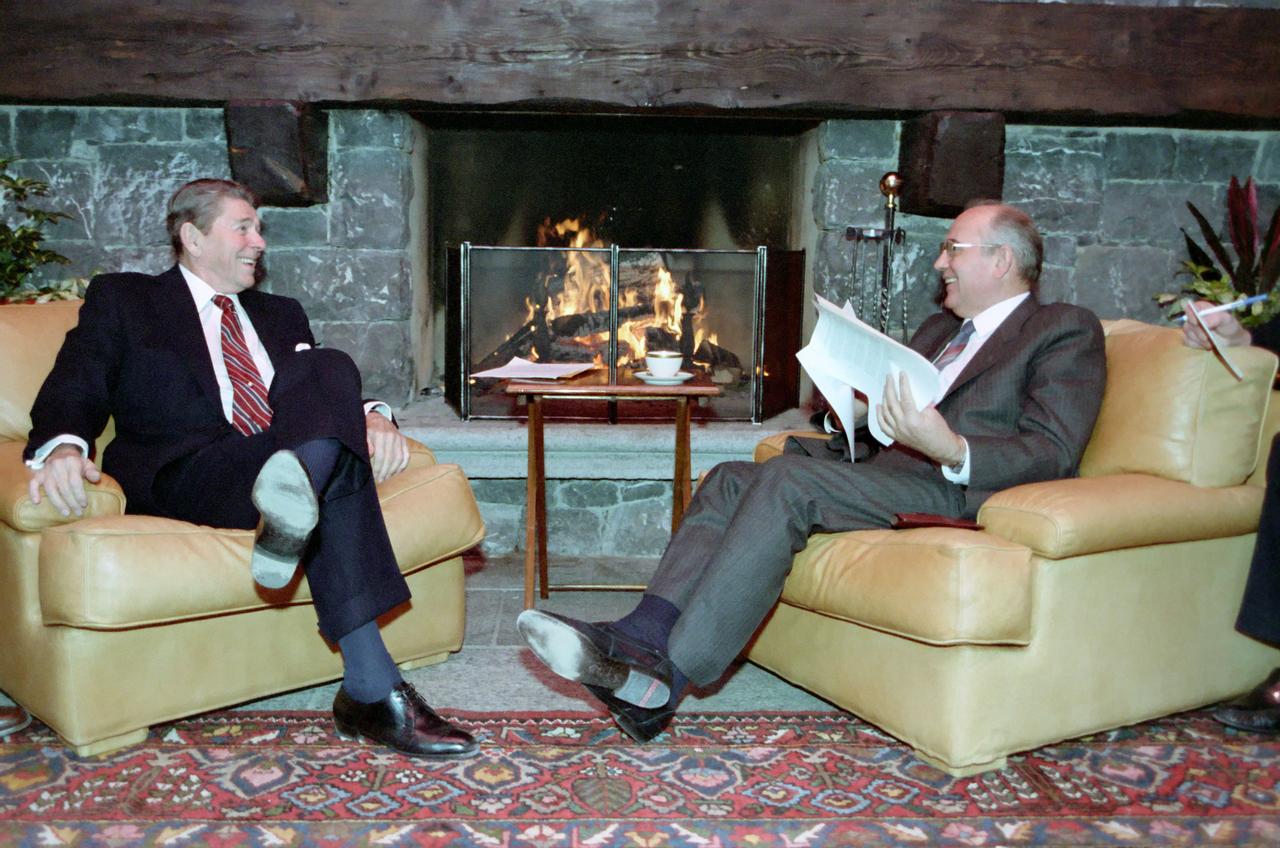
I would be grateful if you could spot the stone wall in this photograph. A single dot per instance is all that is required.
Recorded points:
(607, 518)
(346, 260)
(1110, 202)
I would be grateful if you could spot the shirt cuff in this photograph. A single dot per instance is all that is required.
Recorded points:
(36, 462)
(379, 407)
(959, 474)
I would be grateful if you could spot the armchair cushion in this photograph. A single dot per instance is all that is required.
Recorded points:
(936, 585)
(32, 335)
(1167, 407)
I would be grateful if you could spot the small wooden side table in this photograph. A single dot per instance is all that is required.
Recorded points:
(588, 387)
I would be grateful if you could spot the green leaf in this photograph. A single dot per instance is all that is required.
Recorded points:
(21, 252)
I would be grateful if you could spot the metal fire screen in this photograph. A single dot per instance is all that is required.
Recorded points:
(733, 314)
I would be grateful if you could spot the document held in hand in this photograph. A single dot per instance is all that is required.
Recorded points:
(1215, 344)
(844, 354)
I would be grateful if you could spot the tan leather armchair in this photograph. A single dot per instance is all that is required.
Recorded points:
(114, 622)
(1085, 604)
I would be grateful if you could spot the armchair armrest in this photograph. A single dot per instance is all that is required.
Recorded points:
(17, 510)
(420, 455)
(1083, 515)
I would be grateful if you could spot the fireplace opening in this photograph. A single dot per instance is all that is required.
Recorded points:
(592, 239)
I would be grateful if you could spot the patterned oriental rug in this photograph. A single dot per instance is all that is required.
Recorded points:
(556, 780)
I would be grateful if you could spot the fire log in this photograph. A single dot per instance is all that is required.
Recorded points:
(714, 356)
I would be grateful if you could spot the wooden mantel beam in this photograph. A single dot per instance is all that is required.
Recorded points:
(817, 57)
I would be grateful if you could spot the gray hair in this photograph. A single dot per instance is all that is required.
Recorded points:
(1013, 227)
(198, 203)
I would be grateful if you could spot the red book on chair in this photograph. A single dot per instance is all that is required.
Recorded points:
(908, 520)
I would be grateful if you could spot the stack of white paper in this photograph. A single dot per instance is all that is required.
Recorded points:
(844, 354)
(523, 369)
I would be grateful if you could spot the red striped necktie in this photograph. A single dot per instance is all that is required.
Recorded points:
(250, 412)
(955, 347)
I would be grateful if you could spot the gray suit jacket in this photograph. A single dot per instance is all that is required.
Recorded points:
(1026, 403)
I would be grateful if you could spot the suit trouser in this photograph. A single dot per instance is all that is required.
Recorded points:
(349, 563)
(1260, 611)
(725, 566)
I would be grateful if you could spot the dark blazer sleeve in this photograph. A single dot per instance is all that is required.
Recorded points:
(1268, 335)
(75, 397)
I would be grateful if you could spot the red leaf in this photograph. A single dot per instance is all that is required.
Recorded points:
(1242, 218)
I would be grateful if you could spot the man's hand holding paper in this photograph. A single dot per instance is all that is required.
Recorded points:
(920, 428)
(844, 354)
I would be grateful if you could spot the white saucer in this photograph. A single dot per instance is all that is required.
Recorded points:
(680, 377)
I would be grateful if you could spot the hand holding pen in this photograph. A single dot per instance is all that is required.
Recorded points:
(1242, 303)
(1220, 319)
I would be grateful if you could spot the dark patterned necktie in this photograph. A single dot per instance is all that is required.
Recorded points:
(250, 412)
(953, 350)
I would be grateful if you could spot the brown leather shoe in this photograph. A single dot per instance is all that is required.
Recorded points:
(1258, 711)
(13, 719)
(402, 721)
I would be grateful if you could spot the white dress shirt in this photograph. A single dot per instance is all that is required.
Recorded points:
(211, 325)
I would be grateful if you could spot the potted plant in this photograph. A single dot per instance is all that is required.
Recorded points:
(1218, 277)
(21, 250)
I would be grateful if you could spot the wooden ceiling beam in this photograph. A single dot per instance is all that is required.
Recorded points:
(813, 58)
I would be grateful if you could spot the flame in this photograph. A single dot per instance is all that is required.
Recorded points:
(583, 287)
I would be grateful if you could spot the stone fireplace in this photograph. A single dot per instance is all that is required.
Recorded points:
(733, 316)
(538, 225)
(1110, 201)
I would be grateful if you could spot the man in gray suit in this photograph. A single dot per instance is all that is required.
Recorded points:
(1024, 383)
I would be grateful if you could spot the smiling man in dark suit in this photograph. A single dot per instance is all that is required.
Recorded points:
(1023, 382)
(226, 414)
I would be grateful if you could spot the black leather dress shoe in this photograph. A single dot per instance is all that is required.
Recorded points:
(402, 721)
(598, 655)
(284, 497)
(640, 723)
(1258, 711)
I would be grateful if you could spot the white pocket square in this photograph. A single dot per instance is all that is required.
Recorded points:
(301, 346)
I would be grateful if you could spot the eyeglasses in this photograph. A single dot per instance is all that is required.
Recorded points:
(950, 246)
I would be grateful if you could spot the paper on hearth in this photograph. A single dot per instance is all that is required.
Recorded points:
(845, 354)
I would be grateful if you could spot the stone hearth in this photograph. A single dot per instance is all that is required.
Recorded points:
(608, 485)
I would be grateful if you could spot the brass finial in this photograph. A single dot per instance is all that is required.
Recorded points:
(890, 186)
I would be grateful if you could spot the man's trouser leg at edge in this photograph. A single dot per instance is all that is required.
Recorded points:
(725, 572)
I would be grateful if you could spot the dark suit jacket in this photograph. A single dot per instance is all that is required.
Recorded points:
(1027, 402)
(138, 354)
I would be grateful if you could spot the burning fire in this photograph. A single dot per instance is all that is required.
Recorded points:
(581, 288)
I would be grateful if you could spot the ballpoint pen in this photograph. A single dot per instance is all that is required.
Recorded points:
(1235, 304)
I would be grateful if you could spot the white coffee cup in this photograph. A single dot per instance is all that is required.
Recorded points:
(663, 363)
